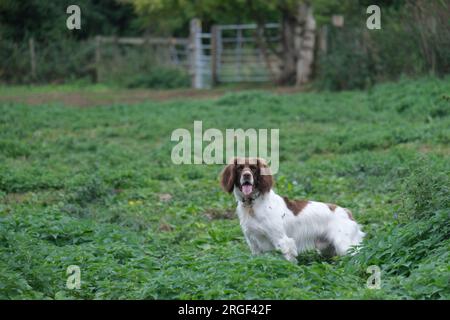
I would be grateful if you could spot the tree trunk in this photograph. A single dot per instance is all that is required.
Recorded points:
(263, 47)
(305, 42)
(298, 41)
(288, 55)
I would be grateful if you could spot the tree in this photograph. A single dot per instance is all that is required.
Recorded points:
(45, 20)
(296, 51)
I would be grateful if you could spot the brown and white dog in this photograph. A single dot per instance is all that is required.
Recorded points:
(270, 221)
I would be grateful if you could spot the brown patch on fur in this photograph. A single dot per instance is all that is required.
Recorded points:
(349, 213)
(296, 206)
(263, 182)
(333, 207)
(227, 177)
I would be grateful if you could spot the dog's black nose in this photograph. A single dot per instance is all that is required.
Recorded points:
(247, 175)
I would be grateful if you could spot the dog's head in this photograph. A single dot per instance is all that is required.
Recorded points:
(250, 176)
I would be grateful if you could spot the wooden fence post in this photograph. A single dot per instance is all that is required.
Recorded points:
(195, 49)
(97, 58)
(239, 53)
(214, 54)
(323, 40)
(32, 58)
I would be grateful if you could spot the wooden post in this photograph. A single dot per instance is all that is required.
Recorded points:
(214, 54)
(323, 40)
(116, 52)
(32, 58)
(173, 52)
(97, 58)
(239, 53)
(195, 50)
(219, 53)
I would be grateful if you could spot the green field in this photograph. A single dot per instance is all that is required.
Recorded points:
(95, 187)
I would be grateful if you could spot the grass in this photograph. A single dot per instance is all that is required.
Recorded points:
(95, 187)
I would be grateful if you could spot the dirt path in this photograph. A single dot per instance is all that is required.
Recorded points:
(86, 98)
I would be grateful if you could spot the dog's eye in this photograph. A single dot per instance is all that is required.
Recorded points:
(240, 167)
(253, 168)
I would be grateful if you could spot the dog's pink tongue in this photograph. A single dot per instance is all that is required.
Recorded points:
(247, 189)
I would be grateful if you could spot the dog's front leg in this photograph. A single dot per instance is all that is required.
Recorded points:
(287, 247)
(253, 245)
(283, 243)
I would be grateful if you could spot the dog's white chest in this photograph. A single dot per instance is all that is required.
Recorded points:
(261, 217)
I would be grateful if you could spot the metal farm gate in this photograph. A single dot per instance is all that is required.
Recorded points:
(233, 53)
(229, 53)
(240, 58)
(200, 49)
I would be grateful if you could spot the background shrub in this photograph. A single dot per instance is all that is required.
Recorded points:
(413, 40)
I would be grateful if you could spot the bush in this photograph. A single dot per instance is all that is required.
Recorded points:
(73, 61)
(61, 61)
(427, 189)
(412, 41)
(347, 64)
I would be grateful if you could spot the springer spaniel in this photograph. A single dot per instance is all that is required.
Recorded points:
(270, 221)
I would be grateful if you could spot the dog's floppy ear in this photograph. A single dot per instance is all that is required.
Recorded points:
(228, 176)
(265, 179)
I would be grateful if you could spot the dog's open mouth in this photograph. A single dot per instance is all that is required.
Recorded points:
(247, 188)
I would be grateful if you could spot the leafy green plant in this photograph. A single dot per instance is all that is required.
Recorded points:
(96, 188)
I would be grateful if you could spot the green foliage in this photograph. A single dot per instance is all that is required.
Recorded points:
(427, 188)
(172, 16)
(89, 187)
(347, 66)
(46, 20)
(413, 40)
(69, 61)
(62, 55)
